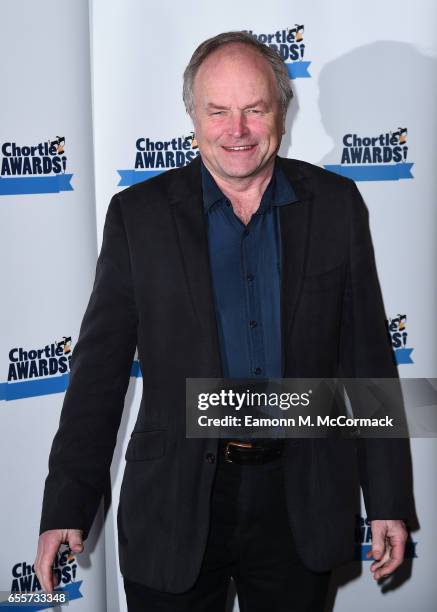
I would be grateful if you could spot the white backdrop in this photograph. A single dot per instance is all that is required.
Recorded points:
(361, 70)
(48, 252)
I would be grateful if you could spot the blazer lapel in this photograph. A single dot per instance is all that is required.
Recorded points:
(190, 221)
(295, 234)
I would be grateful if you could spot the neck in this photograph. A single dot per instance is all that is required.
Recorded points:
(244, 193)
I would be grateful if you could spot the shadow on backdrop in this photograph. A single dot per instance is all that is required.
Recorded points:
(371, 90)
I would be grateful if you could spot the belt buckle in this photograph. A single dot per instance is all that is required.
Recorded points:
(239, 445)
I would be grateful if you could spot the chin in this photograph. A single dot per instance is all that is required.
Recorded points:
(240, 171)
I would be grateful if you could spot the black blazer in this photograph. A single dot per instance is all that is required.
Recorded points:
(153, 290)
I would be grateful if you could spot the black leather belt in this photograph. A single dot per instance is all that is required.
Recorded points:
(250, 452)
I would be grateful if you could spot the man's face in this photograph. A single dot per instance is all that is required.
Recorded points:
(238, 118)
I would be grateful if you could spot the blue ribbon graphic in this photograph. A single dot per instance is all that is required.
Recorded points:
(298, 70)
(403, 356)
(131, 177)
(45, 386)
(72, 590)
(32, 388)
(382, 172)
(20, 185)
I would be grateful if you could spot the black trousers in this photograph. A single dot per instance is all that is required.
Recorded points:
(249, 540)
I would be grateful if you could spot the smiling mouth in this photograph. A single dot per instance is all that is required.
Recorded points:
(239, 148)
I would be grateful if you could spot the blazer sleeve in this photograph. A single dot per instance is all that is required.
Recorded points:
(365, 352)
(83, 446)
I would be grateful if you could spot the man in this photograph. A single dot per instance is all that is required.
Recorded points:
(242, 265)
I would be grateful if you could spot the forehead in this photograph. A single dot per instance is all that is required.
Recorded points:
(235, 64)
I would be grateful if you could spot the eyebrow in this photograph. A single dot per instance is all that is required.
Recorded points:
(212, 105)
(256, 103)
(219, 107)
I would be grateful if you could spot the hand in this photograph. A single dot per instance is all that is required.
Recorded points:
(388, 547)
(48, 545)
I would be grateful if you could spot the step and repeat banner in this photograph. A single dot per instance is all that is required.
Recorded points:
(47, 257)
(98, 86)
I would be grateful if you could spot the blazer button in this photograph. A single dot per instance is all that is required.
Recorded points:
(210, 457)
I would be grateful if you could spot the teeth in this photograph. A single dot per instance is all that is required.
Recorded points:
(244, 148)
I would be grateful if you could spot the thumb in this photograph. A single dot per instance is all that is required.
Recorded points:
(378, 544)
(75, 542)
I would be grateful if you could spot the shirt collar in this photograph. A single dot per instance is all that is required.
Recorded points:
(278, 193)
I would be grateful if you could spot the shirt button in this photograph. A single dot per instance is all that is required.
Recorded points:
(228, 203)
(257, 370)
(250, 277)
(246, 232)
(253, 323)
(210, 457)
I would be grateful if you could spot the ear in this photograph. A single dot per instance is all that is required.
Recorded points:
(193, 120)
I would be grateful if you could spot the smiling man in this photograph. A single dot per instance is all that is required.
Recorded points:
(243, 265)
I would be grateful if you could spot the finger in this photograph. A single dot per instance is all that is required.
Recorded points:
(378, 543)
(396, 558)
(387, 569)
(75, 540)
(48, 552)
(46, 578)
(397, 552)
(385, 557)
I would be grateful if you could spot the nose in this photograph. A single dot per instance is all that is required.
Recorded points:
(238, 124)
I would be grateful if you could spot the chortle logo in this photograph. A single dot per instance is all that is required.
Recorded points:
(24, 579)
(363, 541)
(397, 328)
(374, 158)
(291, 46)
(152, 157)
(39, 168)
(37, 371)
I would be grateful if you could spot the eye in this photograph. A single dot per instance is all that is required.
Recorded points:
(217, 113)
(254, 111)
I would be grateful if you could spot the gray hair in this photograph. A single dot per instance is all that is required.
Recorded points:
(210, 45)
